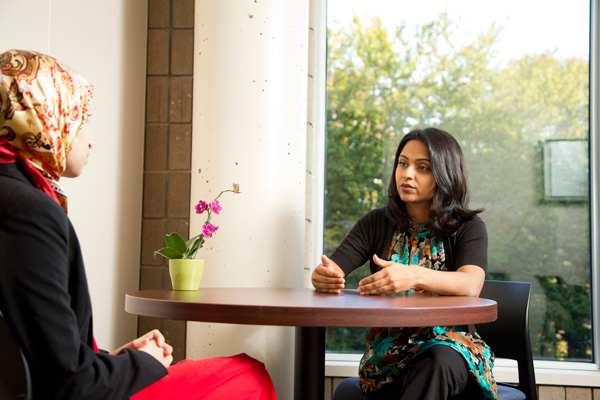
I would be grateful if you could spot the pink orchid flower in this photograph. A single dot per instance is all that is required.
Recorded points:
(177, 247)
(201, 207)
(209, 229)
(215, 206)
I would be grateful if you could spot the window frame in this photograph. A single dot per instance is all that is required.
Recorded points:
(345, 365)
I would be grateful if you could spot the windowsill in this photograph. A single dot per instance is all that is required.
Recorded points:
(546, 372)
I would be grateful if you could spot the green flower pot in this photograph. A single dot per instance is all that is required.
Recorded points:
(185, 274)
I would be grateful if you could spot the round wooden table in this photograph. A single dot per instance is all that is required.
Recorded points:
(310, 312)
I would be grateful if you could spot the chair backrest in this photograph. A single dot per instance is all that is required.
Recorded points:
(508, 336)
(15, 381)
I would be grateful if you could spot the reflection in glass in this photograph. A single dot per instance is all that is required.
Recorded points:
(505, 91)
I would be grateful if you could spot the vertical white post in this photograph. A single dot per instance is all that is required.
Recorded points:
(250, 91)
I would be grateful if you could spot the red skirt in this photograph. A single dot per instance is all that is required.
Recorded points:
(237, 377)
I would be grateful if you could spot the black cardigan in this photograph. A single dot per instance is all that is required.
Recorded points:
(45, 300)
(372, 234)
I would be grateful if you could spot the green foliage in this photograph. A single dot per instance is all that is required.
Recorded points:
(567, 331)
(177, 247)
(175, 241)
(169, 252)
(381, 85)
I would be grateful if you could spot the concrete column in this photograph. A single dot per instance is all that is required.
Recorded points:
(249, 127)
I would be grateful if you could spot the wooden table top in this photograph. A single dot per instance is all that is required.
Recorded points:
(308, 308)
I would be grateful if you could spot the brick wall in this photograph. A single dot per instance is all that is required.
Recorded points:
(167, 154)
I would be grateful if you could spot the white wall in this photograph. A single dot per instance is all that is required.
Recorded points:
(249, 126)
(250, 116)
(105, 41)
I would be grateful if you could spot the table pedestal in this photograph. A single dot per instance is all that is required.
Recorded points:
(309, 364)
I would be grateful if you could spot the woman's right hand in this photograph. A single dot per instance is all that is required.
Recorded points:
(328, 277)
(152, 343)
(159, 353)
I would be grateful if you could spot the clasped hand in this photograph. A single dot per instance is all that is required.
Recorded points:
(152, 343)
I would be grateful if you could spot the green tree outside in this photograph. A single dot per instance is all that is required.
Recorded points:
(382, 85)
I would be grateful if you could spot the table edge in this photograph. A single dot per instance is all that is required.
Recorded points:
(281, 315)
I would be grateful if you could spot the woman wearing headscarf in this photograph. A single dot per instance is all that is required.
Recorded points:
(44, 295)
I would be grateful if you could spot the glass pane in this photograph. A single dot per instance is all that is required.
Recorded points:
(515, 94)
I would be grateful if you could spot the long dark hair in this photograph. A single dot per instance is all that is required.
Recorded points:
(449, 207)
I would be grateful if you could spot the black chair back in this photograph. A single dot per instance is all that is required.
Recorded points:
(15, 381)
(508, 336)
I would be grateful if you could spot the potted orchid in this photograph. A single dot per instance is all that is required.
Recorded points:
(184, 269)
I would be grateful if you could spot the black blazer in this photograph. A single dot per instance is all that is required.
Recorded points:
(45, 299)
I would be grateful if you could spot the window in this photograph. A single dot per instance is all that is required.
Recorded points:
(516, 95)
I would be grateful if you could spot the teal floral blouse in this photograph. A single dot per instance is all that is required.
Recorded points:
(390, 349)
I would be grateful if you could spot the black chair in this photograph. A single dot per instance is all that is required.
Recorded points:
(508, 336)
(15, 381)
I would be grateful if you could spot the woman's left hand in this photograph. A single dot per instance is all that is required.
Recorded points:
(467, 280)
(393, 278)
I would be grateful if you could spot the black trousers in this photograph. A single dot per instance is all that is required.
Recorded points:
(440, 373)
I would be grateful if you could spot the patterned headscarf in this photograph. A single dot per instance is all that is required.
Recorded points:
(43, 104)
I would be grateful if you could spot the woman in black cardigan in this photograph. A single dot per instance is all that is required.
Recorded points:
(425, 239)
(43, 288)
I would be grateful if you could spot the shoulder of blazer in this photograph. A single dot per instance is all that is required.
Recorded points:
(20, 195)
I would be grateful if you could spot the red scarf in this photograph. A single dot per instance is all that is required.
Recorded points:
(8, 155)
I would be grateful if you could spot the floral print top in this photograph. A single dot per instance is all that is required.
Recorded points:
(390, 349)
